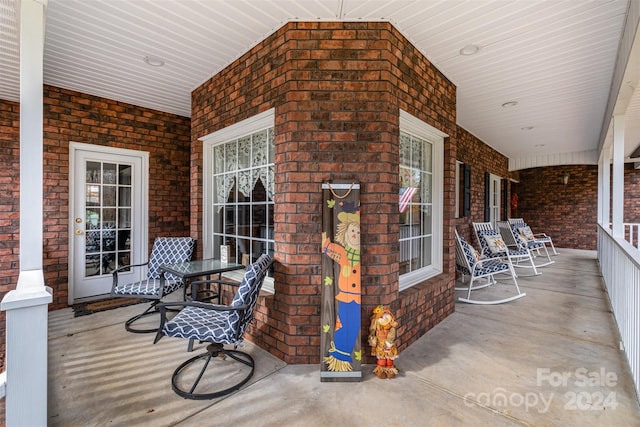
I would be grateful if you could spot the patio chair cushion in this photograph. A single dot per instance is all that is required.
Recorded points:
(169, 250)
(217, 325)
(147, 287)
(204, 325)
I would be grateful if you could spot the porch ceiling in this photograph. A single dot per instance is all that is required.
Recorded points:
(555, 59)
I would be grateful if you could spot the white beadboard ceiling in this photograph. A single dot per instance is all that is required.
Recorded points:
(555, 58)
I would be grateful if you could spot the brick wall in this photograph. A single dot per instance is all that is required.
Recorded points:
(631, 194)
(72, 116)
(336, 89)
(481, 159)
(9, 205)
(568, 213)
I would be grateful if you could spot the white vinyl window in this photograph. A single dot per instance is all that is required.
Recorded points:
(420, 205)
(238, 191)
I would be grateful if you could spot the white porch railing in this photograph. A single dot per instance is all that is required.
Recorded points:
(26, 349)
(620, 266)
(632, 234)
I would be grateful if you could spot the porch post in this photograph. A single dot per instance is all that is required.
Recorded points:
(26, 306)
(31, 66)
(617, 189)
(605, 186)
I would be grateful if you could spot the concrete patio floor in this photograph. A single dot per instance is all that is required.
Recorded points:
(551, 358)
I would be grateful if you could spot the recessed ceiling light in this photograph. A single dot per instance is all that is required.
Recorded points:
(510, 104)
(154, 61)
(526, 128)
(469, 49)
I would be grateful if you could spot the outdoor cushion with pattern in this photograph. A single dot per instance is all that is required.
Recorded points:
(469, 252)
(222, 326)
(487, 266)
(491, 266)
(524, 243)
(494, 243)
(526, 232)
(166, 250)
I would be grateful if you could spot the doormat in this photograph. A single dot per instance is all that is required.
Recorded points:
(87, 308)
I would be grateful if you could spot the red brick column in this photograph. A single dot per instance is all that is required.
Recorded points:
(337, 89)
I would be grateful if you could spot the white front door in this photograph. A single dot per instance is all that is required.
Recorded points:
(494, 199)
(107, 210)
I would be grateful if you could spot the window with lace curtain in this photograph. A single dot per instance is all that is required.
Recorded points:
(238, 194)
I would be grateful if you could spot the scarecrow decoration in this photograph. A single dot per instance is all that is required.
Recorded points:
(341, 289)
(382, 339)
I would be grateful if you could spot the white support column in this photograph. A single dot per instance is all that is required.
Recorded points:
(26, 306)
(31, 66)
(617, 201)
(605, 200)
(26, 341)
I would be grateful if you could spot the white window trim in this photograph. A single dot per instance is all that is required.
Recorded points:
(246, 127)
(413, 125)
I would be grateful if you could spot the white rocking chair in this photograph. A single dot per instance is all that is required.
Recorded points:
(519, 257)
(521, 227)
(513, 238)
(468, 264)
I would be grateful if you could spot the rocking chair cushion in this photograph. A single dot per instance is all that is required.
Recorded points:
(495, 243)
(469, 252)
(526, 232)
(523, 242)
(491, 266)
(476, 255)
(520, 240)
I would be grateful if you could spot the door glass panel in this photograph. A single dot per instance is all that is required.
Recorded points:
(124, 196)
(108, 213)
(92, 195)
(124, 174)
(108, 173)
(93, 172)
(109, 195)
(124, 218)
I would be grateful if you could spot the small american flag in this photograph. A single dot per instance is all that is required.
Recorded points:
(406, 197)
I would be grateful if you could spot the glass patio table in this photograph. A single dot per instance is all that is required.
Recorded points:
(199, 268)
